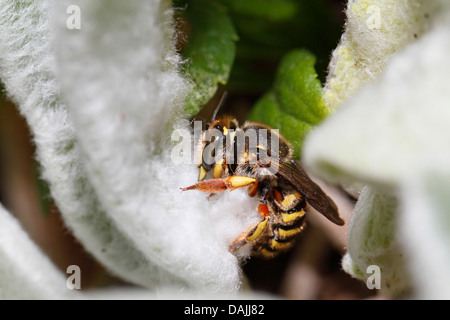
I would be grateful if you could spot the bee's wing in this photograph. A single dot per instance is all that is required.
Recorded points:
(298, 178)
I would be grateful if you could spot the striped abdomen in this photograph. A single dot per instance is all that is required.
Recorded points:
(287, 218)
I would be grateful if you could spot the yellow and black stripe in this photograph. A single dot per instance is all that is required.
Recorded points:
(291, 210)
(272, 247)
(283, 232)
(288, 220)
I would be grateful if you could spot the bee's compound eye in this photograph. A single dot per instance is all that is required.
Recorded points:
(207, 126)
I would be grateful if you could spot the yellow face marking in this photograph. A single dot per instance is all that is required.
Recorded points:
(289, 199)
(225, 131)
(240, 181)
(258, 230)
(218, 169)
(289, 217)
(288, 233)
(202, 173)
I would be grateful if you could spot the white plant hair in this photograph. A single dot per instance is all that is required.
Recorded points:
(101, 102)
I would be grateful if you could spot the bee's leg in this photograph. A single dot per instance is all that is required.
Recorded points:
(219, 168)
(253, 189)
(253, 232)
(219, 185)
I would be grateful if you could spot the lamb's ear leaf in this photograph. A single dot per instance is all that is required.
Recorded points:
(25, 272)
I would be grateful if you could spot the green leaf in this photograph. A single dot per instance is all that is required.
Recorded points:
(268, 29)
(272, 10)
(210, 51)
(295, 104)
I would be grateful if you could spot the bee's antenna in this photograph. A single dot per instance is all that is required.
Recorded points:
(216, 111)
(192, 121)
(221, 102)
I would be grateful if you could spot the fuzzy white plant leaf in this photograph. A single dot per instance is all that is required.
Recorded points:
(392, 134)
(124, 206)
(25, 271)
(119, 76)
(27, 64)
(424, 228)
(372, 242)
(404, 129)
(375, 30)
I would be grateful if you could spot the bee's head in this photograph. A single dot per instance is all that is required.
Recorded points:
(223, 124)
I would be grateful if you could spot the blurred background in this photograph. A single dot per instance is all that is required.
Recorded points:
(312, 270)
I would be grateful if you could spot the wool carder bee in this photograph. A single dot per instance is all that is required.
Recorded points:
(270, 173)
